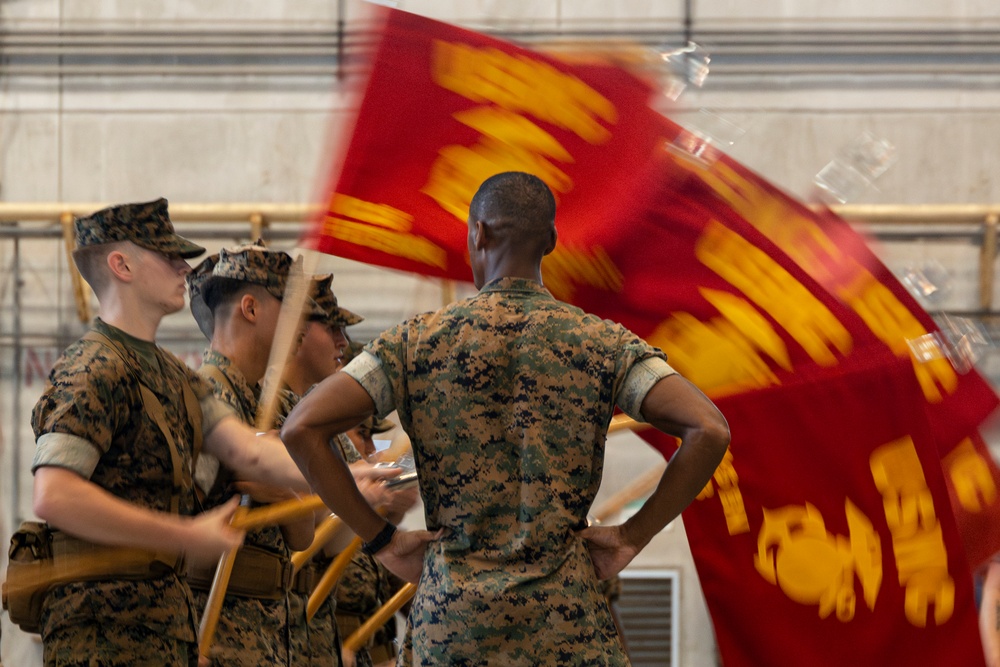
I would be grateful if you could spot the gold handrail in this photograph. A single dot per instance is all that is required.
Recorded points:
(181, 212)
(297, 212)
(260, 215)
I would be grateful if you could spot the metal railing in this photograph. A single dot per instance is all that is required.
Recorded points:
(976, 222)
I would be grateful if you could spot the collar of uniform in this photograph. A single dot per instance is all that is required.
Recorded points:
(144, 351)
(511, 284)
(235, 376)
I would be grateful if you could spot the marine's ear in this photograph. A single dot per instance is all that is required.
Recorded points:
(118, 264)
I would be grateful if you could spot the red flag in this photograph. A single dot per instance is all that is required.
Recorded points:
(751, 294)
(445, 108)
(843, 564)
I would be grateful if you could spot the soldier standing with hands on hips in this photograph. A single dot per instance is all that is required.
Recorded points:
(507, 397)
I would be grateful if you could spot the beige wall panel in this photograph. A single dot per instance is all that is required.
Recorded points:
(192, 157)
(29, 156)
(824, 14)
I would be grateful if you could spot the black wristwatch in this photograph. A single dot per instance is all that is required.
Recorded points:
(380, 541)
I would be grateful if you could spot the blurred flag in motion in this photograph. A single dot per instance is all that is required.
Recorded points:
(825, 537)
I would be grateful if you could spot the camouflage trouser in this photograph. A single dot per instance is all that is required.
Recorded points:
(323, 637)
(93, 645)
(301, 647)
(251, 632)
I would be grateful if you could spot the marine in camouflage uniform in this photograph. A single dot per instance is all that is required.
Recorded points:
(91, 420)
(252, 630)
(507, 398)
(363, 585)
(510, 511)
(317, 356)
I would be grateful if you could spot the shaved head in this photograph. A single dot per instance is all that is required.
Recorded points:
(515, 205)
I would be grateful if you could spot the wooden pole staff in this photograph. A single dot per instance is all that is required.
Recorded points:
(289, 320)
(361, 636)
(330, 578)
(213, 608)
(620, 422)
(323, 534)
(279, 512)
(81, 291)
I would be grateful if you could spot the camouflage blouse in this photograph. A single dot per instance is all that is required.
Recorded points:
(90, 419)
(251, 631)
(507, 398)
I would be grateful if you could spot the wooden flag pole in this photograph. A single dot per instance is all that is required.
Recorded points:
(279, 512)
(331, 577)
(361, 636)
(289, 320)
(286, 331)
(323, 534)
(216, 595)
(637, 489)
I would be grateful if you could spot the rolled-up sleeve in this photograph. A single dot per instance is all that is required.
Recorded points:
(367, 370)
(640, 379)
(213, 411)
(64, 450)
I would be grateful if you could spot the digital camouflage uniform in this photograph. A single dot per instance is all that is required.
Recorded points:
(507, 398)
(252, 631)
(93, 400)
(90, 419)
(364, 587)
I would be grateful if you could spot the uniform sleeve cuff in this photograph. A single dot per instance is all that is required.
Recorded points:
(213, 411)
(367, 370)
(640, 379)
(64, 450)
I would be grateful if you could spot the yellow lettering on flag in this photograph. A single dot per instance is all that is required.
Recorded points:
(810, 247)
(970, 477)
(774, 290)
(917, 540)
(814, 567)
(895, 325)
(523, 85)
(728, 481)
(509, 88)
(750, 323)
(717, 355)
(380, 227)
(507, 142)
(568, 266)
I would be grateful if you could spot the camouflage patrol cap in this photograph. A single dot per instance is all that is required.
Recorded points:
(252, 263)
(196, 292)
(145, 224)
(255, 264)
(334, 315)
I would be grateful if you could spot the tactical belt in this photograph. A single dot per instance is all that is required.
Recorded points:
(257, 573)
(41, 557)
(121, 562)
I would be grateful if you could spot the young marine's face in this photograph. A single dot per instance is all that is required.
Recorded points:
(268, 313)
(361, 437)
(160, 278)
(322, 349)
